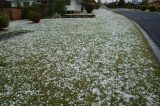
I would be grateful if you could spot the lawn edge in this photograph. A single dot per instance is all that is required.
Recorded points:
(154, 50)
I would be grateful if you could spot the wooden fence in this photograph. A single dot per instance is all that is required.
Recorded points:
(13, 13)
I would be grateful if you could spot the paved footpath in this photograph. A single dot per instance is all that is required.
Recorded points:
(150, 22)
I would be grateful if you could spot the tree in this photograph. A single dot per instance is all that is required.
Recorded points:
(121, 3)
(50, 8)
(98, 4)
(89, 5)
(145, 2)
(59, 7)
(4, 21)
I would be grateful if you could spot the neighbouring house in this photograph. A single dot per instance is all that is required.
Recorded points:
(154, 1)
(22, 3)
(3, 3)
(13, 13)
(72, 5)
(137, 1)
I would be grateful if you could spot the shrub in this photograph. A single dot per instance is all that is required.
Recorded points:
(34, 16)
(26, 10)
(89, 8)
(152, 8)
(158, 8)
(50, 8)
(121, 3)
(111, 5)
(135, 6)
(59, 7)
(130, 7)
(4, 21)
(138, 7)
(145, 2)
(128, 4)
(97, 6)
(143, 7)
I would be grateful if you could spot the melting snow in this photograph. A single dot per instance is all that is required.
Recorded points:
(97, 61)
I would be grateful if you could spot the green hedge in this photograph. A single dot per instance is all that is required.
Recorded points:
(143, 7)
(152, 8)
(34, 16)
(4, 20)
(158, 9)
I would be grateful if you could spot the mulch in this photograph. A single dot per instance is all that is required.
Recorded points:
(7, 34)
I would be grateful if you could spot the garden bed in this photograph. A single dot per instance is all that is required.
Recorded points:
(7, 35)
(79, 16)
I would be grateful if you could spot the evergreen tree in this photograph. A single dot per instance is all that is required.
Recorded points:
(59, 7)
(121, 3)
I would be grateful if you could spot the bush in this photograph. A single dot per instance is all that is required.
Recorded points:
(50, 8)
(158, 8)
(112, 5)
(143, 7)
(26, 10)
(34, 16)
(130, 7)
(152, 8)
(135, 6)
(128, 4)
(4, 21)
(89, 8)
(121, 3)
(138, 7)
(145, 2)
(97, 6)
(59, 7)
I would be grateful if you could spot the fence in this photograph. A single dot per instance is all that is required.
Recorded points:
(13, 13)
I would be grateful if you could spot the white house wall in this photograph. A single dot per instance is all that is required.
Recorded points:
(77, 6)
(13, 4)
(74, 6)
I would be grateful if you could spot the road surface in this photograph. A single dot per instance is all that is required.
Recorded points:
(150, 22)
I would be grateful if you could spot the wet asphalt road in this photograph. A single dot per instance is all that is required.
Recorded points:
(150, 22)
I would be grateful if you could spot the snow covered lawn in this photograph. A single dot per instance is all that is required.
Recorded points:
(96, 61)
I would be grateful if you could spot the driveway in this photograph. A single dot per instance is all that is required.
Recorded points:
(150, 22)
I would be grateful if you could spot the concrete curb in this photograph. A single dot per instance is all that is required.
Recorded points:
(147, 11)
(155, 49)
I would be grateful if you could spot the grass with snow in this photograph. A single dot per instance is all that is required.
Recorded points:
(97, 61)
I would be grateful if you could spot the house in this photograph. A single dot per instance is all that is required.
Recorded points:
(137, 1)
(154, 1)
(3, 3)
(21, 3)
(72, 5)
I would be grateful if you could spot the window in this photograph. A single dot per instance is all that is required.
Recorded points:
(25, 4)
(9, 4)
(68, 2)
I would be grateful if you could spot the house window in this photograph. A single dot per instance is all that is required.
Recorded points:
(33, 3)
(68, 2)
(25, 4)
(9, 4)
